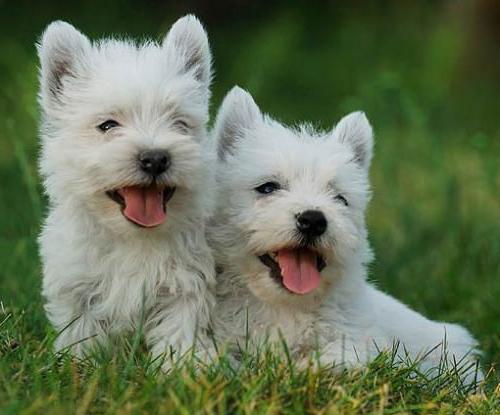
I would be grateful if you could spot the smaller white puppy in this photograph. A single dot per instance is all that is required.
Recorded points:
(291, 243)
(126, 166)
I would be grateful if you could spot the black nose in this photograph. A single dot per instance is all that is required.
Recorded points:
(154, 162)
(311, 223)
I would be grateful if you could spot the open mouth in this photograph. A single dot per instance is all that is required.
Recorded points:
(297, 269)
(144, 206)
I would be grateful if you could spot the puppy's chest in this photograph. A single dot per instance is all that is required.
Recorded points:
(274, 324)
(297, 332)
(121, 297)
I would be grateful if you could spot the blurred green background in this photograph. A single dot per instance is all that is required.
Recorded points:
(426, 73)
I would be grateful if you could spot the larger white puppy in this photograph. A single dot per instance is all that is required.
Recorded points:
(291, 242)
(127, 171)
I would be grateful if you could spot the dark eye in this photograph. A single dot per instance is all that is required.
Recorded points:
(268, 188)
(108, 125)
(342, 199)
(182, 126)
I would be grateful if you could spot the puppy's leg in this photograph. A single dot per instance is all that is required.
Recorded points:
(77, 332)
(181, 325)
(338, 355)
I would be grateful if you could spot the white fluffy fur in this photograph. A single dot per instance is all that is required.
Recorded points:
(100, 271)
(346, 318)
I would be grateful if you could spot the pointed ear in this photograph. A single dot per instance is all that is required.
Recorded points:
(355, 130)
(188, 41)
(237, 114)
(61, 50)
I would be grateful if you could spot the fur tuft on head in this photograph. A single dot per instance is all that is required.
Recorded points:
(238, 113)
(188, 40)
(62, 51)
(355, 130)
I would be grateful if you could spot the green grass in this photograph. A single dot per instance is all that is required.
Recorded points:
(124, 381)
(434, 220)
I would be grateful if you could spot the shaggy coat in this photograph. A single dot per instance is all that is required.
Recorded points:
(108, 266)
(268, 176)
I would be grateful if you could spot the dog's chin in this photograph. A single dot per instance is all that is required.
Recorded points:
(296, 270)
(144, 206)
(271, 292)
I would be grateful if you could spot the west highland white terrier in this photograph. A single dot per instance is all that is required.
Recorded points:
(126, 166)
(291, 244)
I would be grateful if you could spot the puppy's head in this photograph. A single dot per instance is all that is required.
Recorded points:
(292, 202)
(124, 124)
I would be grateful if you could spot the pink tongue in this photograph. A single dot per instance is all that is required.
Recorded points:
(144, 205)
(299, 270)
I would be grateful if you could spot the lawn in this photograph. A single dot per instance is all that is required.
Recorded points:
(428, 81)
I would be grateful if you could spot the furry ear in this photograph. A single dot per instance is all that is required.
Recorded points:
(188, 41)
(61, 51)
(237, 114)
(355, 130)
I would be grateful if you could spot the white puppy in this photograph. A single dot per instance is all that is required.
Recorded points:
(291, 243)
(127, 171)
